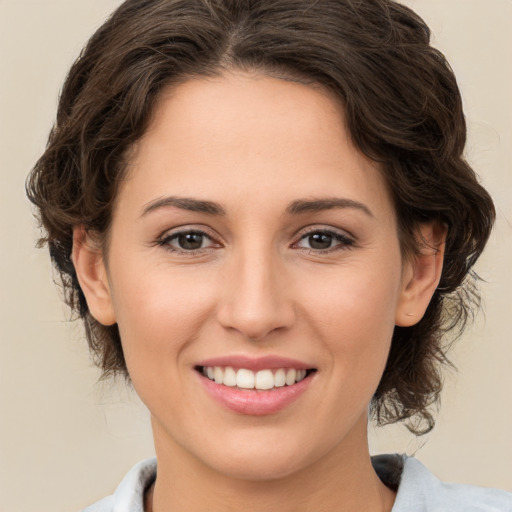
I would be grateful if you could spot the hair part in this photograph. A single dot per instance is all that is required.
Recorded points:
(403, 110)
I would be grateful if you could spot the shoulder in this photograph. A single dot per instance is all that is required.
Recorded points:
(129, 495)
(420, 491)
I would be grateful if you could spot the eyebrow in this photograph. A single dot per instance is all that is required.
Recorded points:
(296, 207)
(184, 203)
(317, 205)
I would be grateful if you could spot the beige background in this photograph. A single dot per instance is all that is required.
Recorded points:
(66, 441)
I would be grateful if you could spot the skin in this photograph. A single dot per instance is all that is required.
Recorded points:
(253, 145)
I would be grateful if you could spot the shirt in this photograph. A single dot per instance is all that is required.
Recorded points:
(418, 489)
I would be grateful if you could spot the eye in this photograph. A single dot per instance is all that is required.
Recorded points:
(324, 240)
(187, 241)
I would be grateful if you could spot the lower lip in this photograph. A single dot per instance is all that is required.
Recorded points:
(254, 402)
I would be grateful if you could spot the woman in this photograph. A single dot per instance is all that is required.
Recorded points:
(262, 214)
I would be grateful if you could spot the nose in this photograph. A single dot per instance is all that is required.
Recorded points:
(257, 299)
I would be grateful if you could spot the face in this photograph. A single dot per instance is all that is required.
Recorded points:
(253, 243)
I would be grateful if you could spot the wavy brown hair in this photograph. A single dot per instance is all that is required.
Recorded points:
(403, 110)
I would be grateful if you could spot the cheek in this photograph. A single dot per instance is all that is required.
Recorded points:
(363, 294)
(352, 313)
(163, 311)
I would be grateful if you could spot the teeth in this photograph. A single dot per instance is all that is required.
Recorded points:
(247, 379)
(280, 378)
(291, 375)
(264, 380)
(229, 377)
(218, 375)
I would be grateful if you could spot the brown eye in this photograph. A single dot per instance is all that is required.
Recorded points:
(320, 241)
(324, 241)
(190, 241)
(187, 241)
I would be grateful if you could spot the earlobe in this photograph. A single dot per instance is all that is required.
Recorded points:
(421, 275)
(92, 275)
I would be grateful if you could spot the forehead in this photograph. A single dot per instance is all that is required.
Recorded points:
(238, 133)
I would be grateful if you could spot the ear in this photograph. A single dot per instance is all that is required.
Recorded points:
(92, 275)
(421, 275)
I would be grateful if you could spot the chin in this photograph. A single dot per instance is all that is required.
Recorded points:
(263, 455)
(261, 468)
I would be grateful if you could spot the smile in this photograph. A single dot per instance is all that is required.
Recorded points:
(263, 380)
(255, 387)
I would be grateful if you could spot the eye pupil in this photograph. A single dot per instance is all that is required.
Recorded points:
(190, 241)
(320, 241)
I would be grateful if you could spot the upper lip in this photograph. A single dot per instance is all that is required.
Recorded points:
(269, 362)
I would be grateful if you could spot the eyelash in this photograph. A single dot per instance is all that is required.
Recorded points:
(344, 242)
(166, 239)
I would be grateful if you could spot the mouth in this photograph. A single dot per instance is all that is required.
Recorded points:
(255, 386)
(265, 379)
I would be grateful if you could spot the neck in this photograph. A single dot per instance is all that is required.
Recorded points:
(344, 480)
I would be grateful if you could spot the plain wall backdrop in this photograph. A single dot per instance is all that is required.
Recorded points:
(66, 441)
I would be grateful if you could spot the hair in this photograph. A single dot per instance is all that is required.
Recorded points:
(403, 110)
